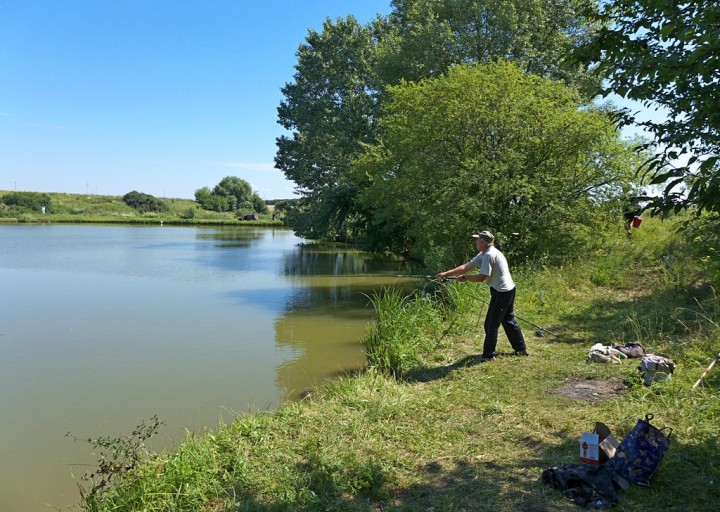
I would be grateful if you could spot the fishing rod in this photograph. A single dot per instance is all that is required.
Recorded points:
(387, 276)
(540, 332)
(416, 276)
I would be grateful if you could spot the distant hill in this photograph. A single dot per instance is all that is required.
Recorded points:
(82, 208)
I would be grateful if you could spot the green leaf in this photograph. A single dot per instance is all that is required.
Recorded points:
(663, 177)
(667, 30)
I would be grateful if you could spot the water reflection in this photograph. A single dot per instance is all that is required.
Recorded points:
(319, 259)
(233, 237)
(103, 326)
(328, 312)
(321, 299)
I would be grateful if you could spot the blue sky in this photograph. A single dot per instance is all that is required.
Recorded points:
(159, 96)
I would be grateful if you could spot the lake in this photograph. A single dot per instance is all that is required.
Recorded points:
(102, 327)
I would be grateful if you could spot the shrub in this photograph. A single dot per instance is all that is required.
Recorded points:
(33, 201)
(144, 202)
(189, 213)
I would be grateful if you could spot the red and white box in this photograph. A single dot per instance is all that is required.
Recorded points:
(590, 448)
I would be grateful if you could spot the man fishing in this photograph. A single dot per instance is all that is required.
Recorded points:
(493, 269)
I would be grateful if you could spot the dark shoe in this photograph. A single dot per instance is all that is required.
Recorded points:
(522, 353)
(485, 359)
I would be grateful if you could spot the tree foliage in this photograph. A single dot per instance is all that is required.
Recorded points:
(330, 107)
(489, 146)
(211, 202)
(33, 201)
(229, 195)
(334, 102)
(665, 53)
(258, 205)
(339, 97)
(423, 38)
(237, 191)
(144, 202)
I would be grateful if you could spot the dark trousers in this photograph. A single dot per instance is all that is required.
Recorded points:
(501, 311)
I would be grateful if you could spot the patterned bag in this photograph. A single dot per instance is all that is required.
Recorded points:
(656, 368)
(640, 452)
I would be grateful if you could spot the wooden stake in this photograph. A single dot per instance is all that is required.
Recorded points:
(706, 372)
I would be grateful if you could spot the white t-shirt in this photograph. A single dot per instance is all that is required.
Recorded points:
(493, 264)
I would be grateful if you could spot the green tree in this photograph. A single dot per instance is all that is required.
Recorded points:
(335, 101)
(209, 201)
(145, 202)
(423, 38)
(330, 108)
(229, 195)
(258, 205)
(490, 146)
(414, 43)
(33, 201)
(202, 196)
(236, 190)
(665, 53)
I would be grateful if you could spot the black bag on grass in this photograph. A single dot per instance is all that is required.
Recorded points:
(640, 452)
(589, 486)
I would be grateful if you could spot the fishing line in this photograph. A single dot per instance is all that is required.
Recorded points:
(442, 336)
(540, 330)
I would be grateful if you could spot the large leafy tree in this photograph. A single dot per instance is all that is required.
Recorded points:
(209, 201)
(330, 110)
(425, 37)
(237, 191)
(332, 106)
(489, 146)
(666, 53)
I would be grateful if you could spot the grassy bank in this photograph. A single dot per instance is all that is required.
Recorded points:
(429, 427)
(80, 208)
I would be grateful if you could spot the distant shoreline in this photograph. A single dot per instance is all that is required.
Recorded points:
(64, 208)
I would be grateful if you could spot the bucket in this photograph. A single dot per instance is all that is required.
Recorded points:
(636, 222)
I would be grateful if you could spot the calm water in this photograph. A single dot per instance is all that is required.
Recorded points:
(102, 327)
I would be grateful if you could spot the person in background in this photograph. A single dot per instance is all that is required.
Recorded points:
(493, 270)
(632, 210)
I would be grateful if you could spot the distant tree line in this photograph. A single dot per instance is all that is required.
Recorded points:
(231, 194)
(448, 116)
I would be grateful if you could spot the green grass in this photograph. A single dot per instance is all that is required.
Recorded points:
(428, 427)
